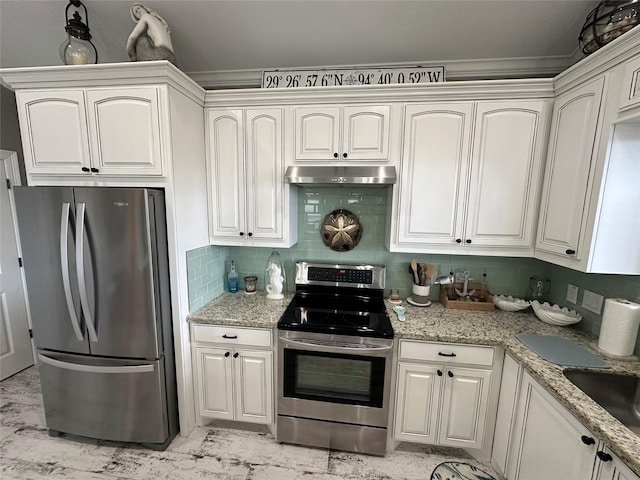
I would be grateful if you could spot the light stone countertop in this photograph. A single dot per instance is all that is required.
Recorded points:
(436, 323)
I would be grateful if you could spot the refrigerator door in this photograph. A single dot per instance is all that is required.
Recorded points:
(114, 237)
(46, 222)
(120, 400)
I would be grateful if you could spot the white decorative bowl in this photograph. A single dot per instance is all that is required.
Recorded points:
(509, 303)
(555, 315)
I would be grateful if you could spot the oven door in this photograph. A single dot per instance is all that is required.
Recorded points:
(334, 378)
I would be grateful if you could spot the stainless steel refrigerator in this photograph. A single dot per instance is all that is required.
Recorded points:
(96, 267)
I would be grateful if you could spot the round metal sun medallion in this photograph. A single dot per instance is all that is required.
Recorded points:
(341, 230)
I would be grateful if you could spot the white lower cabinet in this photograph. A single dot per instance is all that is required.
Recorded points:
(442, 403)
(549, 443)
(233, 381)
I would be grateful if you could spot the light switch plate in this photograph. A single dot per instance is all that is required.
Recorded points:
(592, 301)
(572, 294)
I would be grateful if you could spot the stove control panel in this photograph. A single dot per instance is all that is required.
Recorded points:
(341, 275)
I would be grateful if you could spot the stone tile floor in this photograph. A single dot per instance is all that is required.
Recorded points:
(214, 452)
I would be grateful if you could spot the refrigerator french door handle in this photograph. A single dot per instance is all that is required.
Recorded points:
(64, 266)
(95, 368)
(82, 281)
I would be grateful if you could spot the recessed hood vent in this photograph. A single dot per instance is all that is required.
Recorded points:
(349, 175)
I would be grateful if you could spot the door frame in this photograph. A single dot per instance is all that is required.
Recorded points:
(9, 161)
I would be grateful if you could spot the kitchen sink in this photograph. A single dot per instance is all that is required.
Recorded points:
(618, 394)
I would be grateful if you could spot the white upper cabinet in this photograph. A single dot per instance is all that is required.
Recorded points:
(251, 205)
(590, 207)
(85, 132)
(342, 133)
(470, 178)
(573, 129)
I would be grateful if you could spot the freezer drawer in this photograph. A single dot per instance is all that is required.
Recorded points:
(121, 400)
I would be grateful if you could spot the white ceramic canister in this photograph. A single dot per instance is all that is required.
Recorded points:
(420, 294)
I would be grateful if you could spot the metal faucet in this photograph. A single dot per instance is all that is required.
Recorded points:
(465, 293)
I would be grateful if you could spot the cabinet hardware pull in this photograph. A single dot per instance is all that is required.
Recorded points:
(94, 170)
(570, 252)
(242, 234)
(587, 440)
(446, 354)
(226, 354)
(468, 240)
(235, 355)
(230, 337)
(344, 154)
(603, 456)
(458, 240)
(450, 373)
(439, 373)
(85, 169)
(335, 155)
(250, 234)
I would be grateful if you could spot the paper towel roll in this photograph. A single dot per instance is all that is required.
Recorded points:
(620, 321)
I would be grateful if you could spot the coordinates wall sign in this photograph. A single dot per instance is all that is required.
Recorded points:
(351, 76)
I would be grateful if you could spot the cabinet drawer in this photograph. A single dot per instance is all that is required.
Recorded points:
(259, 337)
(446, 352)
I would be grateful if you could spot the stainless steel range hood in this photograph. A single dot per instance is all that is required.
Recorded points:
(343, 175)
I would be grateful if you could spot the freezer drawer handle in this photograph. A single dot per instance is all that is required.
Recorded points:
(95, 368)
(64, 265)
(82, 281)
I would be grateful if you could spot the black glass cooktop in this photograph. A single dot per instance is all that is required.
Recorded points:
(344, 312)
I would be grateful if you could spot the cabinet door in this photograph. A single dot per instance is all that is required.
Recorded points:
(54, 132)
(253, 382)
(434, 170)
(226, 173)
(569, 159)
(214, 382)
(417, 402)
(366, 131)
(464, 407)
(548, 440)
(614, 469)
(505, 173)
(125, 131)
(317, 133)
(264, 173)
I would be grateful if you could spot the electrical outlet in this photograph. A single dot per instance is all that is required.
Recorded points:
(572, 294)
(592, 302)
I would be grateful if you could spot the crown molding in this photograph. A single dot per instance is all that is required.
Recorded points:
(483, 69)
(103, 74)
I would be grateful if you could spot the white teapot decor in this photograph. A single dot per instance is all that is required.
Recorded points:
(274, 277)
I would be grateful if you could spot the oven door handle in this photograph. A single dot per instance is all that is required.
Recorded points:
(332, 348)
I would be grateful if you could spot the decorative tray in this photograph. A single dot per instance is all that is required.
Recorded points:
(450, 299)
(555, 315)
(509, 303)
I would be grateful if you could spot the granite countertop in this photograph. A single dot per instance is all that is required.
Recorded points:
(497, 327)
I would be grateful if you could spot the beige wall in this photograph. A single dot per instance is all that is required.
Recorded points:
(9, 128)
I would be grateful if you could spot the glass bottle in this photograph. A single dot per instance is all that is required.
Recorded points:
(232, 278)
(275, 277)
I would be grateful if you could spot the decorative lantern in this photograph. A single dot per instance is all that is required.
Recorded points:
(77, 49)
(606, 22)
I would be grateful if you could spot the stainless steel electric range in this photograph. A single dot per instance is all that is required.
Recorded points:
(335, 344)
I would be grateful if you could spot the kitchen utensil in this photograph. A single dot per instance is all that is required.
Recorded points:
(421, 274)
(414, 270)
(431, 272)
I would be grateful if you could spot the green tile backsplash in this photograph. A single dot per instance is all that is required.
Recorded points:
(505, 275)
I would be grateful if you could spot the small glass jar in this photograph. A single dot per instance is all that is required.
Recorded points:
(250, 284)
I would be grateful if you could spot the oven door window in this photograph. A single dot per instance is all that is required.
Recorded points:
(336, 378)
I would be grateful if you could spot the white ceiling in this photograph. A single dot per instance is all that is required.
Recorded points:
(235, 36)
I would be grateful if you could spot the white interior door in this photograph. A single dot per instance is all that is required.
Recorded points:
(16, 351)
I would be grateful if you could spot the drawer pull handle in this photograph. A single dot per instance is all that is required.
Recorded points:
(439, 373)
(450, 373)
(587, 440)
(446, 354)
(229, 337)
(605, 457)
(226, 354)
(235, 355)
